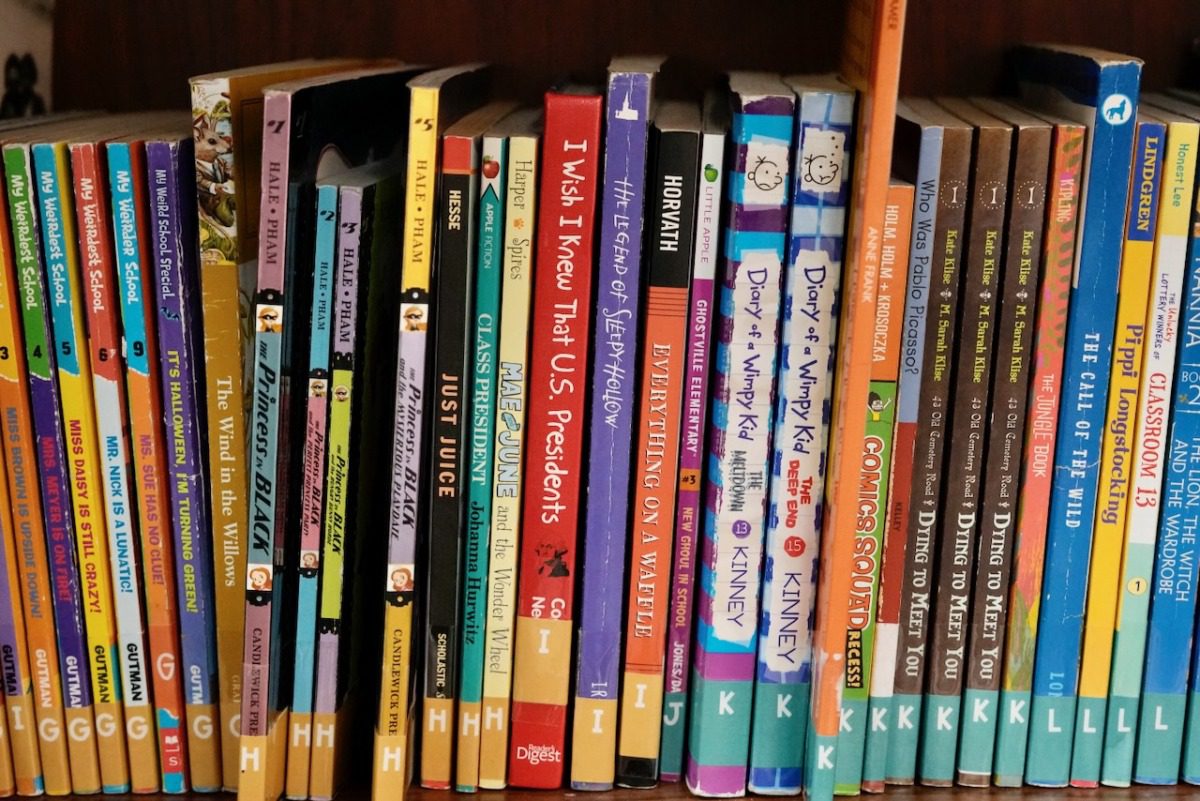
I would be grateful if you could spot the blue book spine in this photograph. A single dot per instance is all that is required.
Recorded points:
(824, 135)
(1103, 95)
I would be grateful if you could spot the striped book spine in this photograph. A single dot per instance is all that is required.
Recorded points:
(65, 296)
(51, 472)
(689, 504)
(820, 192)
(131, 225)
(739, 452)
(481, 468)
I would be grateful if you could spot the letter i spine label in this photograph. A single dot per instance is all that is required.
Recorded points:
(127, 182)
(51, 470)
(628, 104)
(739, 446)
(932, 433)
(1006, 435)
(28, 573)
(512, 384)
(99, 277)
(557, 402)
(488, 271)
(172, 210)
(79, 423)
(964, 467)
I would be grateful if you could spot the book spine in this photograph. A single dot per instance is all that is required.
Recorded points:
(312, 497)
(557, 401)
(104, 349)
(820, 190)
(918, 307)
(257, 760)
(739, 447)
(512, 372)
(1161, 722)
(477, 544)
(872, 64)
(876, 463)
(1060, 635)
(171, 196)
(34, 701)
(1008, 764)
(51, 470)
(1119, 689)
(671, 225)
(689, 504)
(1006, 434)
(964, 466)
(326, 742)
(447, 502)
(392, 759)
(929, 457)
(1156, 297)
(65, 298)
(613, 378)
(227, 286)
(131, 227)
(21, 770)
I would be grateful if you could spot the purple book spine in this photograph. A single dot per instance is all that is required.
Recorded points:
(612, 404)
(179, 341)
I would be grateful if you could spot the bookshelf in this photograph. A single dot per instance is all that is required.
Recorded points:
(136, 54)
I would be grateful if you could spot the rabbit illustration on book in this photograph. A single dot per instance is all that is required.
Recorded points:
(214, 179)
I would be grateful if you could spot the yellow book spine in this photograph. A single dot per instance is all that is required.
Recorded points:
(1116, 461)
(26, 768)
(79, 424)
(390, 773)
(513, 373)
(420, 186)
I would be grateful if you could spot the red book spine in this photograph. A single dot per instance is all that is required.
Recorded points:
(562, 303)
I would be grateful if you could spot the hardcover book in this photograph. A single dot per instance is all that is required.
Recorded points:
(820, 180)
(763, 111)
(553, 502)
(689, 503)
(874, 36)
(1067, 157)
(129, 188)
(454, 322)
(1005, 437)
(671, 214)
(629, 108)
(436, 99)
(1100, 90)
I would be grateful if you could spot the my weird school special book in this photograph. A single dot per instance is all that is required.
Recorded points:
(328, 122)
(553, 504)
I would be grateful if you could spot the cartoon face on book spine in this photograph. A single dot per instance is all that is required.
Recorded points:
(399, 584)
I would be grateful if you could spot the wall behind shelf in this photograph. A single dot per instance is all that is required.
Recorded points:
(133, 54)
